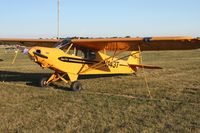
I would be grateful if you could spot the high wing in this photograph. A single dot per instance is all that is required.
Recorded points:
(31, 42)
(128, 44)
(145, 44)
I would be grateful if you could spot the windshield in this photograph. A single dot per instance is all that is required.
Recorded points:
(63, 44)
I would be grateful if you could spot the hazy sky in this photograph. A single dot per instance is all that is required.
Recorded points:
(100, 18)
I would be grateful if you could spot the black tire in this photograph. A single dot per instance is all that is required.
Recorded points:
(43, 83)
(76, 86)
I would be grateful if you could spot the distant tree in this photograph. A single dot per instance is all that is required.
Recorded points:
(127, 36)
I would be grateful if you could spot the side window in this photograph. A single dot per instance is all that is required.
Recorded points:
(76, 51)
(80, 53)
(71, 51)
(84, 53)
(90, 55)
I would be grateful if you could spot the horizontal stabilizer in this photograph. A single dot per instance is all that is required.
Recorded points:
(133, 66)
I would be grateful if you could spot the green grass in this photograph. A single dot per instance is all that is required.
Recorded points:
(116, 104)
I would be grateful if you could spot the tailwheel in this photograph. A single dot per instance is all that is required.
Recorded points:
(76, 86)
(43, 82)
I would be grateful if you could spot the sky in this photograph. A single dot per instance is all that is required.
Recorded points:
(99, 18)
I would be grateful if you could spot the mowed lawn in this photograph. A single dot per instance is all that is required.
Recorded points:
(116, 104)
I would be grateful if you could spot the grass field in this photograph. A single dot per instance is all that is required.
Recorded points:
(117, 104)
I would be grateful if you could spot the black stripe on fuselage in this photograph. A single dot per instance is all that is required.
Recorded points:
(77, 60)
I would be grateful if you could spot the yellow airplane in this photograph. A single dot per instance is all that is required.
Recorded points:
(74, 57)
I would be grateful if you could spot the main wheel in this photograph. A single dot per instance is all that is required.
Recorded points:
(43, 82)
(76, 86)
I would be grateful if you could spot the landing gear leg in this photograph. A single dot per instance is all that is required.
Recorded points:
(44, 82)
(74, 86)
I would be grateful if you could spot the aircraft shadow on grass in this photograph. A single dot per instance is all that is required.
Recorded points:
(33, 79)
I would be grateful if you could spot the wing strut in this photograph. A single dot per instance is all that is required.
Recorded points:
(144, 74)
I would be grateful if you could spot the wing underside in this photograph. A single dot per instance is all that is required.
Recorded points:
(114, 44)
(145, 44)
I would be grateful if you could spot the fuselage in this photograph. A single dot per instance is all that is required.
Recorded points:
(58, 60)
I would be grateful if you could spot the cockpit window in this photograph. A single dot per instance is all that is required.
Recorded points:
(74, 50)
(63, 44)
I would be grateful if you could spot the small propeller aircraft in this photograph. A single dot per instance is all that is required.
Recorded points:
(74, 57)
